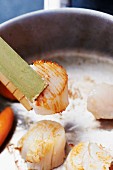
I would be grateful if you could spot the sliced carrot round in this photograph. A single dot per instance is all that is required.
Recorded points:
(6, 122)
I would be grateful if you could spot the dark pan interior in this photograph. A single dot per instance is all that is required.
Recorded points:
(44, 32)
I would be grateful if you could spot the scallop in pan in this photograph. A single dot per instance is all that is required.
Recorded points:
(54, 98)
(43, 146)
(89, 156)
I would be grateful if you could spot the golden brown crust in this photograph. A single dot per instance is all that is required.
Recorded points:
(57, 79)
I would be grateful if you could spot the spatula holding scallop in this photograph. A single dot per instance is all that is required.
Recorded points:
(42, 86)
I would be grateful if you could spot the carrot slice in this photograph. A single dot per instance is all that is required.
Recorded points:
(6, 93)
(6, 122)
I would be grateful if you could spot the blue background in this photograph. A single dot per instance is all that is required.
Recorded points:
(12, 8)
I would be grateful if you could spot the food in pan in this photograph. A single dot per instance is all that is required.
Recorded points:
(100, 101)
(89, 156)
(84, 126)
(43, 146)
(54, 98)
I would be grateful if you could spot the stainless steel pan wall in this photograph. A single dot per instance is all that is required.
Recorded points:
(64, 29)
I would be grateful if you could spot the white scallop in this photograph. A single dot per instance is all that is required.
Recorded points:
(100, 101)
(43, 146)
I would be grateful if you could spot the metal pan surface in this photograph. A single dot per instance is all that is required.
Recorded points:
(81, 41)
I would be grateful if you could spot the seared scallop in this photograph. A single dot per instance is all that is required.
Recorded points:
(43, 146)
(88, 156)
(54, 98)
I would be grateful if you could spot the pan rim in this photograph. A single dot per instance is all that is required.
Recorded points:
(80, 11)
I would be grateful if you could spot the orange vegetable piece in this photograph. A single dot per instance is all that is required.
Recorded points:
(6, 122)
(6, 93)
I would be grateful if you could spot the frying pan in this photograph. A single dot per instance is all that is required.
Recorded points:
(41, 32)
(65, 33)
